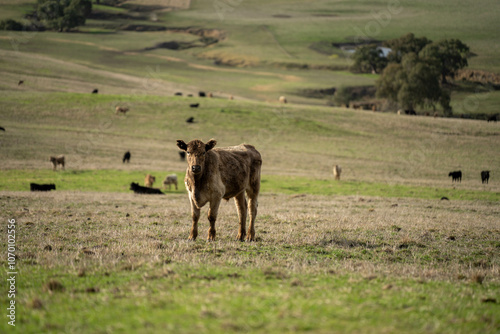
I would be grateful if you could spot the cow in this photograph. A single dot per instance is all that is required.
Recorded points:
(194, 105)
(149, 180)
(202, 94)
(210, 95)
(42, 187)
(214, 174)
(169, 180)
(492, 118)
(337, 170)
(485, 176)
(95, 91)
(122, 110)
(20, 82)
(2, 128)
(190, 120)
(138, 189)
(59, 160)
(126, 157)
(178, 94)
(456, 176)
(282, 99)
(182, 155)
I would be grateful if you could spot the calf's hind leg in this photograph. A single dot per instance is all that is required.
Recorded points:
(241, 206)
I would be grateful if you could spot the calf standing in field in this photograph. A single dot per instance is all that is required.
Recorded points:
(222, 173)
(336, 172)
(59, 160)
(485, 176)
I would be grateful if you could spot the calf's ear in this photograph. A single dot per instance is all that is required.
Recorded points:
(182, 145)
(210, 145)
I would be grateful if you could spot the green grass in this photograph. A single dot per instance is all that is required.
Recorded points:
(161, 298)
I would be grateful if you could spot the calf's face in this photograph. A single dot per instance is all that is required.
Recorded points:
(196, 153)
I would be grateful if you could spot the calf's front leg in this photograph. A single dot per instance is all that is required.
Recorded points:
(195, 216)
(212, 217)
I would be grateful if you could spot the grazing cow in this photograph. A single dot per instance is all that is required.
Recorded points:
(2, 128)
(190, 120)
(456, 176)
(222, 173)
(492, 118)
(20, 82)
(149, 180)
(182, 155)
(169, 180)
(178, 94)
(485, 176)
(282, 99)
(231, 97)
(202, 94)
(122, 110)
(210, 95)
(126, 157)
(138, 189)
(59, 160)
(194, 105)
(42, 187)
(95, 91)
(337, 170)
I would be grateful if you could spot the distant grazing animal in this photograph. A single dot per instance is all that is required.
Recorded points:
(444, 198)
(456, 176)
(485, 176)
(222, 173)
(126, 157)
(410, 112)
(2, 128)
(138, 189)
(149, 180)
(122, 110)
(169, 180)
(202, 94)
(20, 82)
(178, 94)
(194, 105)
(492, 118)
(190, 120)
(95, 91)
(282, 99)
(182, 155)
(210, 95)
(59, 160)
(337, 170)
(231, 97)
(42, 187)
(190, 95)
(400, 112)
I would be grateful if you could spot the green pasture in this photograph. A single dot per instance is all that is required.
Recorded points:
(119, 181)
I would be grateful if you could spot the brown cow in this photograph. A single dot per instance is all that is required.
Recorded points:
(222, 173)
(59, 160)
(282, 99)
(119, 109)
(337, 170)
(149, 180)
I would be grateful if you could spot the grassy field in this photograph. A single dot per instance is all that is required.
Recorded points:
(379, 251)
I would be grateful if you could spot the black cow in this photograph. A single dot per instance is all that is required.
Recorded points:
(126, 157)
(182, 155)
(42, 187)
(485, 176)
(2, 128)
(178, 94)
(492, 118)
(202, 94)
(194, 105)
(138, 189)
(95, 91)
(190, 120)
(456, 176)
(20, 82)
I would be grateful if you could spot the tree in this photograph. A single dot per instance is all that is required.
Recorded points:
(412, 83)
(447, 55)
(404, 45)
(63, 14)
(369, 58)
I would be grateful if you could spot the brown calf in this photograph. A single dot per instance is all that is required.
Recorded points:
(59, 160)
(222, 173)
(149, 180)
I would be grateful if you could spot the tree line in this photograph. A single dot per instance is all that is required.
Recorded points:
(414, 73)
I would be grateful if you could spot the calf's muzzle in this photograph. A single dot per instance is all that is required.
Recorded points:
(196, 168)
